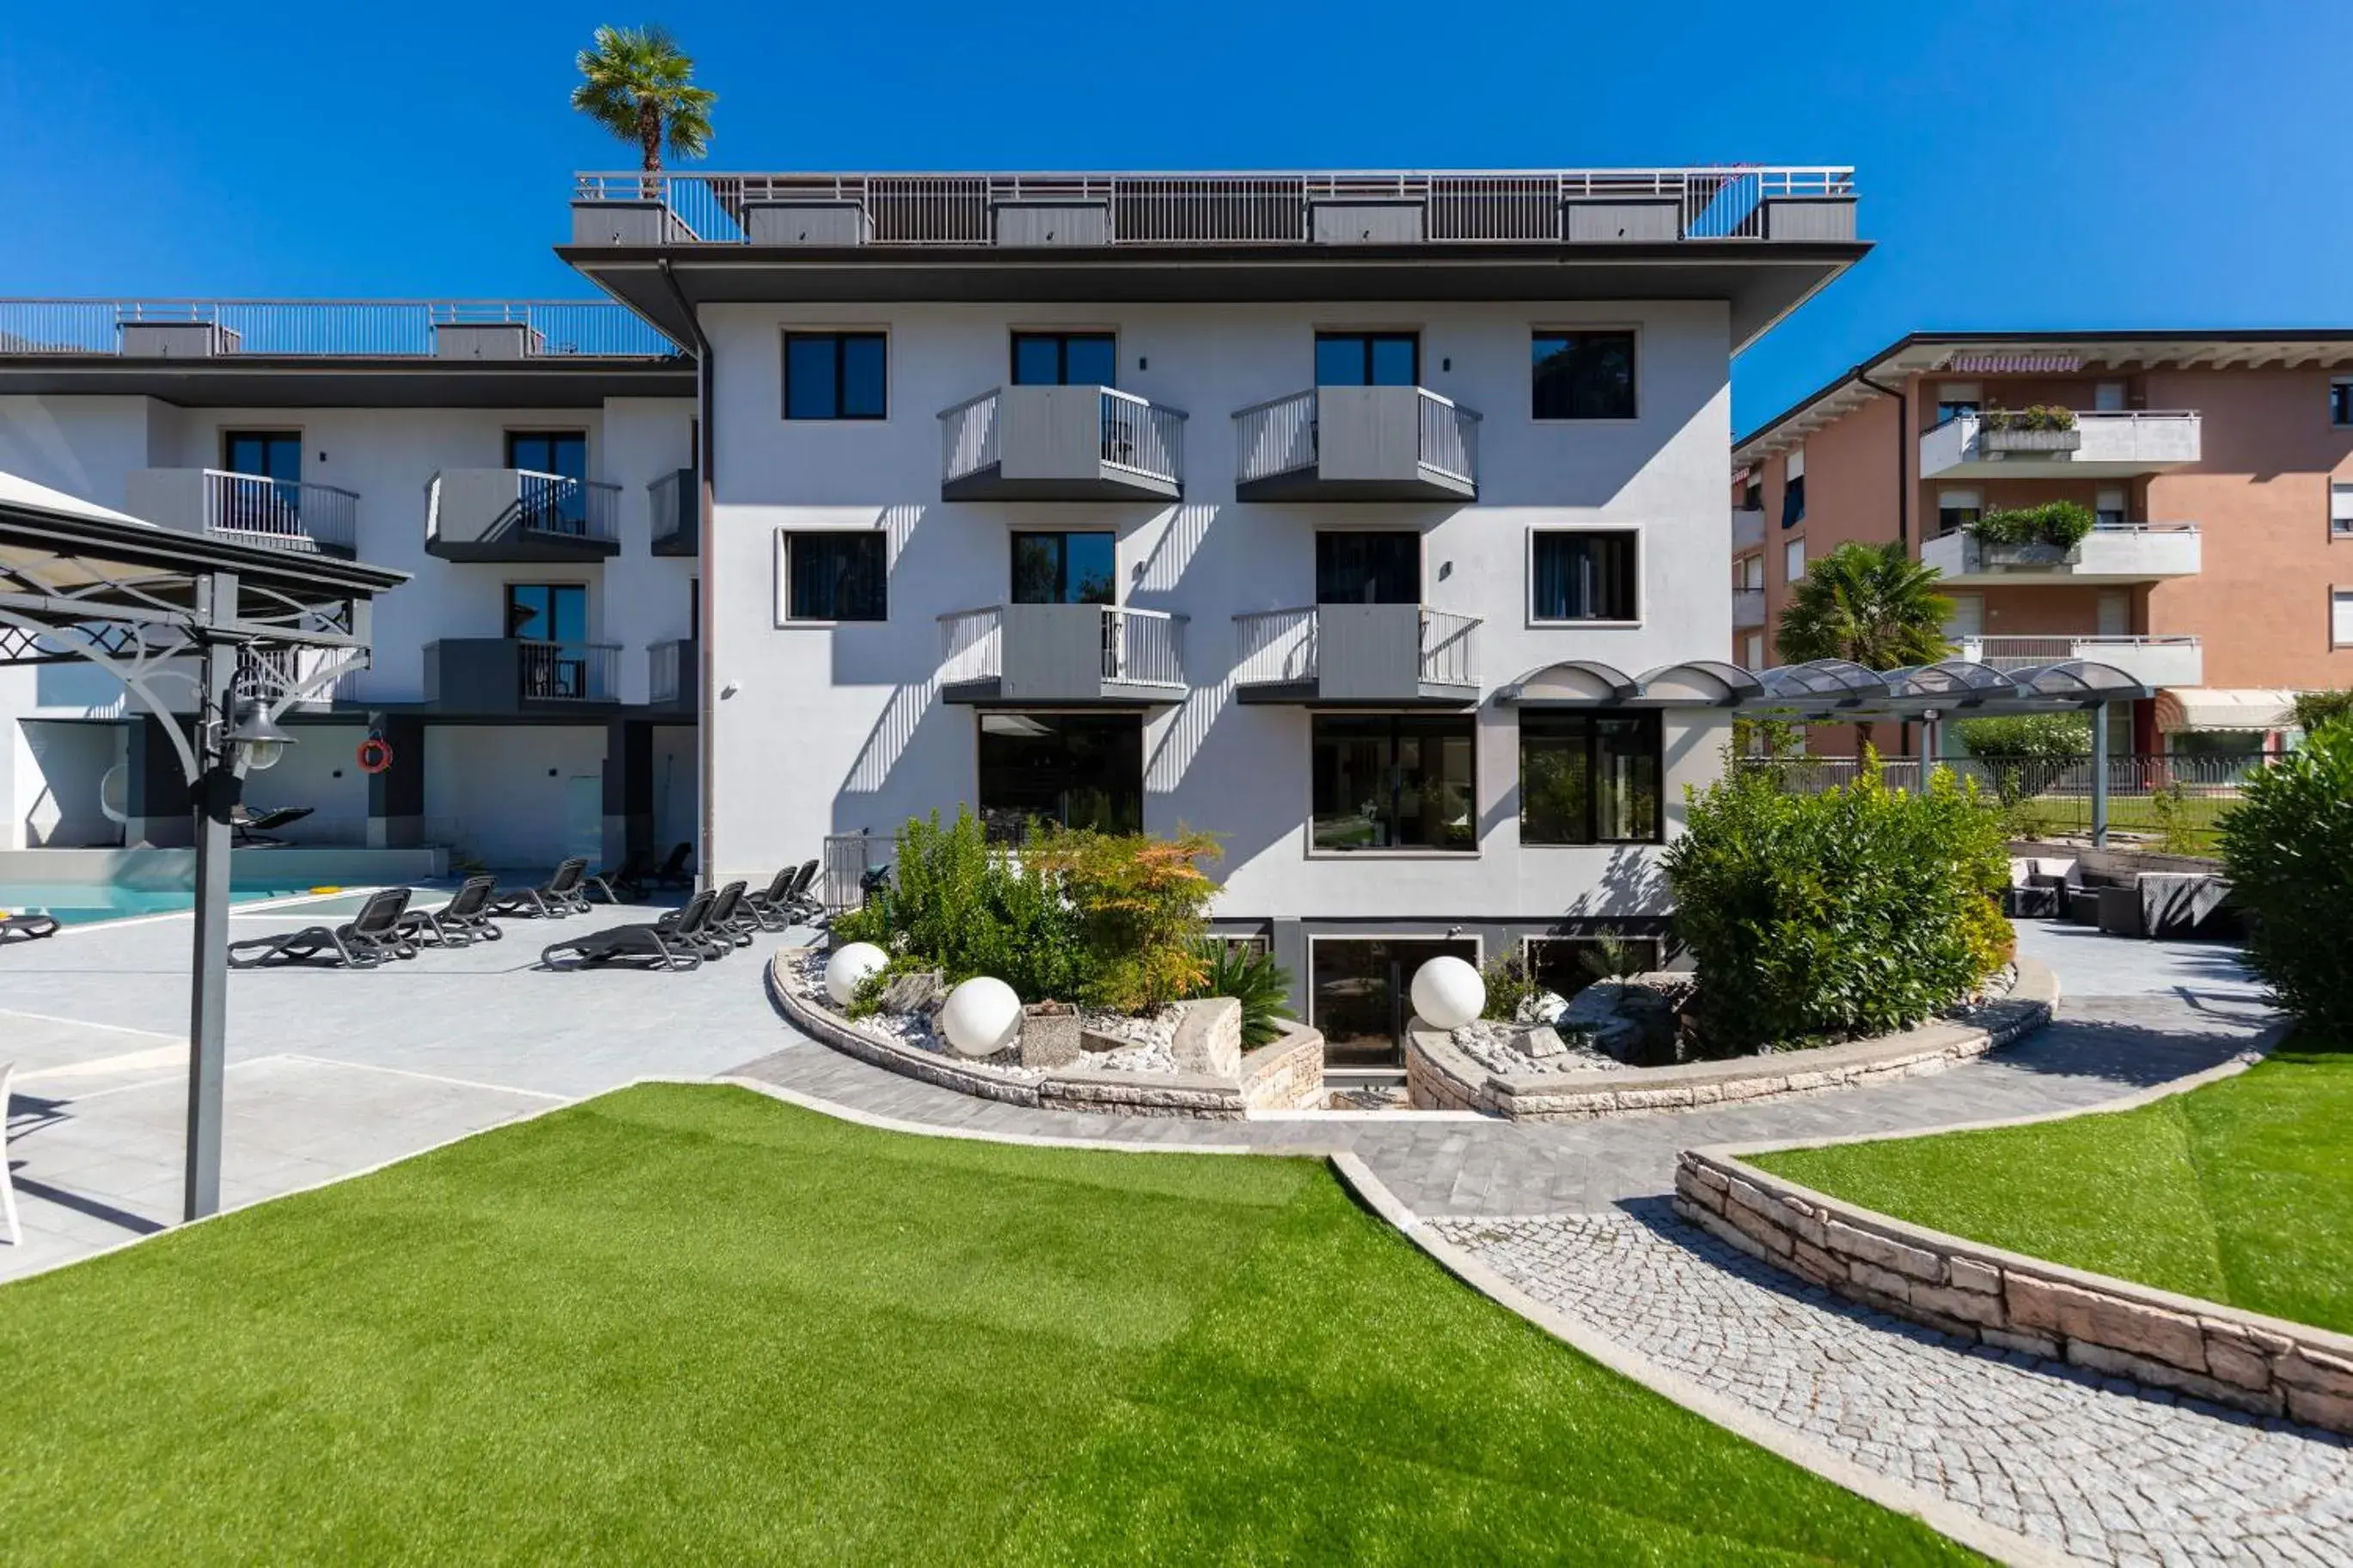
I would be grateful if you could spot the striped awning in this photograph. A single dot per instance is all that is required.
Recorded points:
(2016, 365)
(2182, 708)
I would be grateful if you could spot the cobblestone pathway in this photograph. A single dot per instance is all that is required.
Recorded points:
(2089, 1466)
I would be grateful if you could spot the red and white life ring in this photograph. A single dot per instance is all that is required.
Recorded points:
(376, 755)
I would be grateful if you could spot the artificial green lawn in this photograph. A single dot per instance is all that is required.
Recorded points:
(693, 1324)
(2240, 1192)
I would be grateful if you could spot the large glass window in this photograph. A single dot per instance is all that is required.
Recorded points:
(1563, 964)
(1065, 358)
(547, 611)
(833, 375)
(1583, 374)
(842, 575)
(1065, 568)
(1590, 778)
(1367, 359)
(554, 496)
(1381, 566)
(1081, 770)
(266, 454)
(1359, 991)
(1582, 577)
(1394, 781)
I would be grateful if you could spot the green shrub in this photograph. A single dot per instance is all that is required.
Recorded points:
(2314, 708)
(2026, 751)
(1508, 984)
(2288, 847)
(1141, 906)
(2036, 416)
(1856, 911)
(2064, 523)
(957, 903)
(1253, 978)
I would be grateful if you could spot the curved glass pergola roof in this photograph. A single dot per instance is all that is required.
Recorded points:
(1828, 691)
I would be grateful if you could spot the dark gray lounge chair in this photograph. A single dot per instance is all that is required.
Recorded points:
(374, 935)
(672, 872)
(247, 825)
(681, 942)
(727, 926)
(26, 926)
(464, 920)
(777, 906)
(561, 895)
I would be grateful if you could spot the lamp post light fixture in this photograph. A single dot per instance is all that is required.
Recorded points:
(258, 740)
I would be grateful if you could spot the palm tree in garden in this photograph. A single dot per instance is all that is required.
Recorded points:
(634, 82)
(1873, 606)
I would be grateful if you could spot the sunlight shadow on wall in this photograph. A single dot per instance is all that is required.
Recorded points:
(1187, 728)
(1165, 567)
(888, 740)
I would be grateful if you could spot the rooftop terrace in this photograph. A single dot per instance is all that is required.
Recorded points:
(357, 328)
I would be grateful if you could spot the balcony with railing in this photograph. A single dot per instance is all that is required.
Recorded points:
(1061, 442)
(350, 329)
(2173, 660)
(1020, 654)
(2103, 444)
(1340, 654)
(1358, 443)
(1575, 206)
(282, 514)
(674, 674)
(2112, 553)
(521, 516)
(491, 677)
(676, 499)
(1747, 529)
(1747, 609)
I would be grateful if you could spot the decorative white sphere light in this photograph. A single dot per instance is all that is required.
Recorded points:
(981, 1016)
(848, 967)
(1448, 993)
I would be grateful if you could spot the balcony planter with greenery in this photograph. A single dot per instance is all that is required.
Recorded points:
(2044, 428)
(2052, 534)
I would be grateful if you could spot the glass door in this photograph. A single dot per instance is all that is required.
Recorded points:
(553, 489)
(1360, 994)
(267, 496)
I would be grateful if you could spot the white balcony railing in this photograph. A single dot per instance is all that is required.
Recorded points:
(664, 662)
(1450, 436)
(551, 506)
(1747, 608)
(2116, 551)
(280, 513)
(370, 329)
(1139, 648)
(1280, 436)
(565, 672)
(1221, 208)
(1281, 647)
(1450, 653)
(276, 671)
(2163, 660)
(1135, 433)
(2116, 441)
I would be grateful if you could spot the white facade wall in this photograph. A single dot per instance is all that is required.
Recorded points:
(841, 728)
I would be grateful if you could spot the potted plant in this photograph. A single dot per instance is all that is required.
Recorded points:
(2041, 428)
(2052, 534)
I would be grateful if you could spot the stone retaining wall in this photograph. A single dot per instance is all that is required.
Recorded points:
(2262, 1365)
(1440, 1077)
(1286, 1073)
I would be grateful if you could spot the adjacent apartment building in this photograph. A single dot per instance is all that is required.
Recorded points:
(2219, 467)
(1372, 523)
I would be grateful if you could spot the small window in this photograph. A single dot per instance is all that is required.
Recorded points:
(2108, 507)
(1957, 508)
(1793, 490)
(547, 611)
(1793, 561)
(833, 375)
(1955, 399)
(2340, 509)
(2341, 400)
(1583, 375)
(1065, 568)
(837, 576)
(1367, 359)
(1582, 577)
(1753, 652)
(2108, 397)
(1380, 566)
(1590, 778)
(1065, 358)
(2340, 617)
(1393, 781)
(1752, 492)
(1752, 572)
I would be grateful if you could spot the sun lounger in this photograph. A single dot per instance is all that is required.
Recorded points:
(777, 906)
(7, 1185)
(727, 925)
(26, 926)
(561, 895)
(680, 942)
(374, 935)
(249, 827)
(463, 921)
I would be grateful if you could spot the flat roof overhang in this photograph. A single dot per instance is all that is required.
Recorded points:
(323, 381)
(1763, 281)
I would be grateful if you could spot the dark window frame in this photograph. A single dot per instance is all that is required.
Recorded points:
(1000, 824)
(841, 339)
(1566, 337)
(1425, 726)
(1793, 502)
(1062, 341)
(229, 438)
(1633, 583)
(791, 541)
(1421, 562)
(1368, 339)
(1062, 563)
(2340, 401)
(553, 591)
(1653, 743)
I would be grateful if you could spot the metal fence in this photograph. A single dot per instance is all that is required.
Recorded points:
(972, 646)
(1213, 208)
(1142, 436)
(1277, 436)
(673, 513)
(280, 513)
(566, 507)
(1142, 648)
(1449, 652)
(1450, 436)
(388, 329)
(847, 858)
(1275, 648)
(2009, 653)
(566, 672)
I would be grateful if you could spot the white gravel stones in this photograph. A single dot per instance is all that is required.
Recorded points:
(2089, 1466)
(1503, 1048)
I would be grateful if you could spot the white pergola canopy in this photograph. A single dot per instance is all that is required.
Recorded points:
(1829, 690)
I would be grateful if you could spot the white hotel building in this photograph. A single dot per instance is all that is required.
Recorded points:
(1372, 523)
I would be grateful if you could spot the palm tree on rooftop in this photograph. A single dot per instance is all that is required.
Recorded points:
(1873, 606)
(634, 82)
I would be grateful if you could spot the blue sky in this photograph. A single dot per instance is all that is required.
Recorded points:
(2067, 163)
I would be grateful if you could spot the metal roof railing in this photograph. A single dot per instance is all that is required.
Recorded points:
(358, 328)
(1229, 208)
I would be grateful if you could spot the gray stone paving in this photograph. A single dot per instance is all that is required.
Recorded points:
(2092, 1467)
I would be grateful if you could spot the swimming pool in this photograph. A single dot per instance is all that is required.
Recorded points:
(79, 903)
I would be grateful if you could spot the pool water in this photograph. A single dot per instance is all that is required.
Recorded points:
(79, 903)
